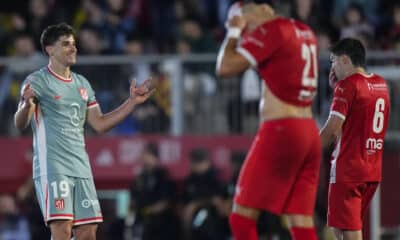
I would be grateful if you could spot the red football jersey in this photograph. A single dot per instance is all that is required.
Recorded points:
(284, 51)
(363, 102)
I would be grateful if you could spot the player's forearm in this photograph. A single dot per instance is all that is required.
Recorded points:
(226, 58)
(327, 137)
(23, 116)
(111, 119)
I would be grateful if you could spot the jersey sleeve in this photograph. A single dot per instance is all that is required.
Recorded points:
(261, 44)
(92, 102)
(343, 96)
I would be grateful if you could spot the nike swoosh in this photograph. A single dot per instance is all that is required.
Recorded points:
(57, 97)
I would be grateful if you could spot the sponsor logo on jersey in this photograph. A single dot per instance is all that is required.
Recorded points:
(59, 203)
(373, 144)
(86, 203)
(57, 97)
(83, 93)
(377, 86)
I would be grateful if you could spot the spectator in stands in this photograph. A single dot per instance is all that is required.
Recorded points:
(27, 201)
(13, 225)
(88, 13)
(369, 7)
(162, 24)
(356, 25)
(151, 118)
(118, 25)
(202, 194)
(306, 11)
(197, 38)
(25, 59)
(391, 37)
(39, 16)
(152, 195)
(90, 41)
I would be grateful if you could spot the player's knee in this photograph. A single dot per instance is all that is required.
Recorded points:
(297, 220)
(251, 213)
(61, 230)
(85, 232)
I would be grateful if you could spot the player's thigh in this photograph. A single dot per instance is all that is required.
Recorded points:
(87, 207)
(368, 194)
(345, 205)
(55, 196)
(304, 191)
(270, 168)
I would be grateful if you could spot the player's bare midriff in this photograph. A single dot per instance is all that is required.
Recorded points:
(271, 107)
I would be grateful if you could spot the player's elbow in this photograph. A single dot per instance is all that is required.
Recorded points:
(225, 71)
(99, 129)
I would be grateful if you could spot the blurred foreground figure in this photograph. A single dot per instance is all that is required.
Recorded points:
(280, 173)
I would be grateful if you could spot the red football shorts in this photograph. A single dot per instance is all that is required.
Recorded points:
(348, 202)
(280, 173)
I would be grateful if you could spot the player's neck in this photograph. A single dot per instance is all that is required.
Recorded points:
(355, 70)
(61, 70)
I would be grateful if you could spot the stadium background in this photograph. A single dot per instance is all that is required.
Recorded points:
(175, 42)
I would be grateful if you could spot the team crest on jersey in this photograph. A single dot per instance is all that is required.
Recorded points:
(59, 204)
(83, 93)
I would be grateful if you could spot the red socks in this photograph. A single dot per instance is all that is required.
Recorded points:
(243, 228)
(303, 233)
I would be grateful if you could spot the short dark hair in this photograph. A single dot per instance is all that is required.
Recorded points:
(53, 32)
(152, 148)
(352, 48)
(198, 155)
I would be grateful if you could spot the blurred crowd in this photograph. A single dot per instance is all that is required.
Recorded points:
(182, 26)
(136, 28)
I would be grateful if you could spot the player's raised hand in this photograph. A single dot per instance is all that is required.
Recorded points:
(332, 78)
(237, 22)
(140, 93)
(27, 96)
(235, 10)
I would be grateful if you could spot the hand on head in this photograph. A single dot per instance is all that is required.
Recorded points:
(249, 15)
(332, 78)
(235, 18)
(237, 22)
(235, 10)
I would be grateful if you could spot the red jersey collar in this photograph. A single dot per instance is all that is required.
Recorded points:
(58, 76)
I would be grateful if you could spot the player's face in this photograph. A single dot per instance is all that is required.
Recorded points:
(64, 50)
(337, 65)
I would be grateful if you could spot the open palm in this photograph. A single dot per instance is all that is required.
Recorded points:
(140, 93)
